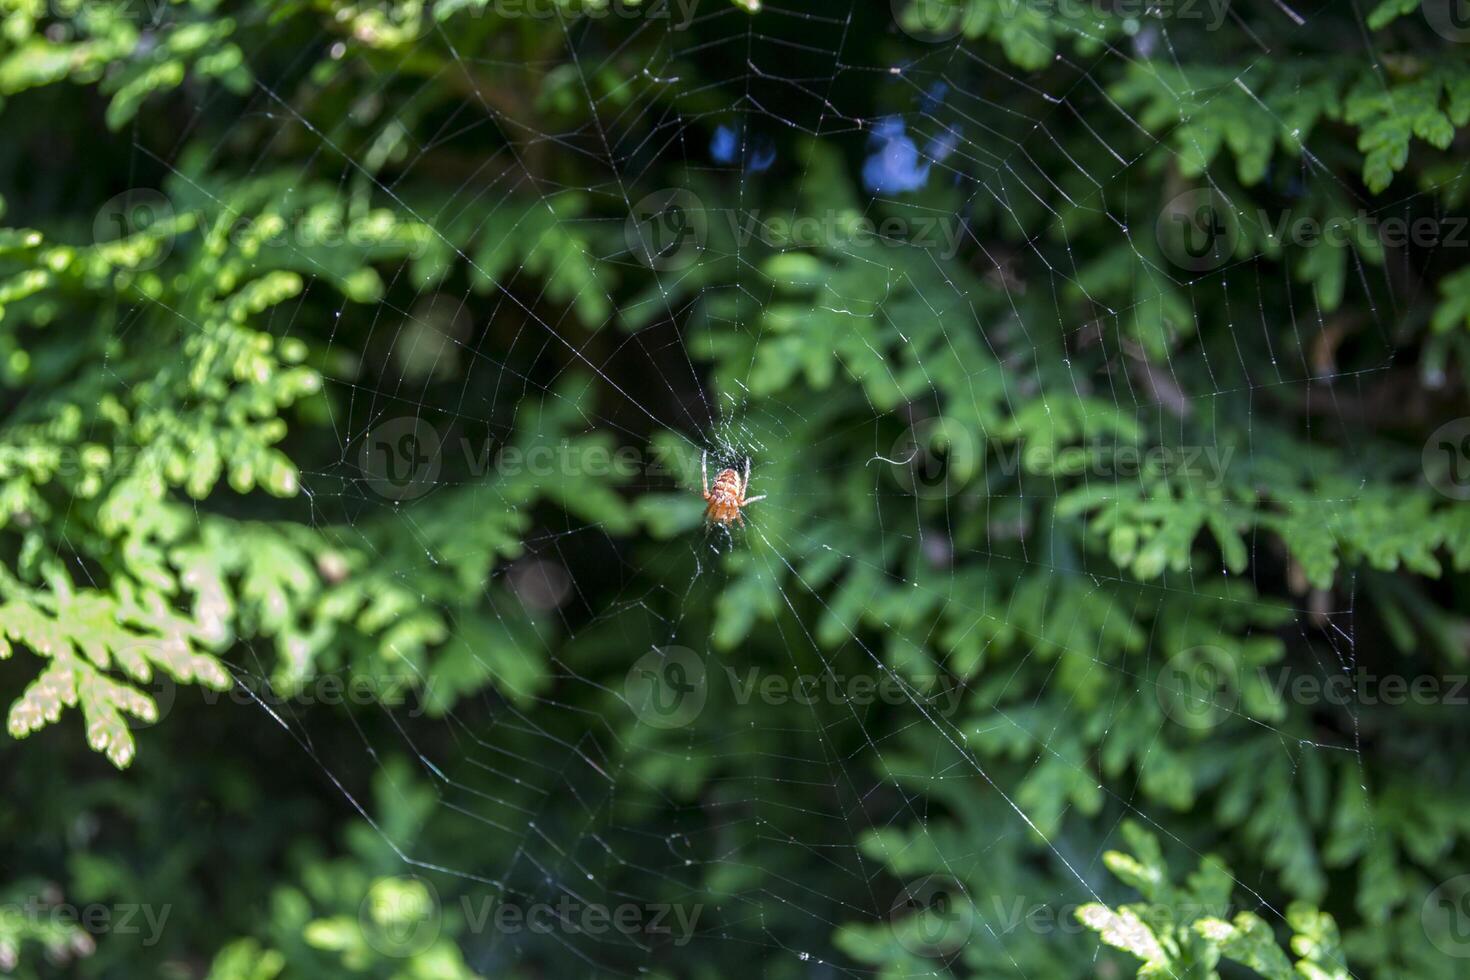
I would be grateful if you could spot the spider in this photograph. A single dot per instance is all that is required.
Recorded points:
(728, 497)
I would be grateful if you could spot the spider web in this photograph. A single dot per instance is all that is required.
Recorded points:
(844, 818)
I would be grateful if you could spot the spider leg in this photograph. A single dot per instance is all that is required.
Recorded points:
(704, 471)
(745, 483)
(750, 500)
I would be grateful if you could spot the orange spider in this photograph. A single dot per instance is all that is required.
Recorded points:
(728, 497)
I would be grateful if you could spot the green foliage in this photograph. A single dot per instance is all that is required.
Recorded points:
(1180, 931)
(1028, 33)
(105, 451)
(29, 932)
(101, 44)
(243, 239)
(342, 920)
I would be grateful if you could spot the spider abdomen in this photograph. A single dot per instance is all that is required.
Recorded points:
(724, 497)
(727, 485)
(728, 498)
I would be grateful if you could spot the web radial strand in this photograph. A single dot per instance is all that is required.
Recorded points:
(928, 299)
